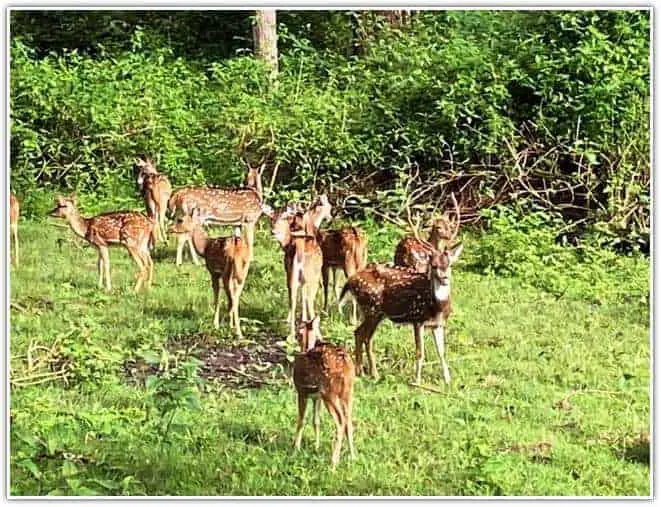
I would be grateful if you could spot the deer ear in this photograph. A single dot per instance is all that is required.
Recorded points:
(74, 198)
(456, 252)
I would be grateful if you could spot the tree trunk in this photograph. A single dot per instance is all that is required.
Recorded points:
(265, 36)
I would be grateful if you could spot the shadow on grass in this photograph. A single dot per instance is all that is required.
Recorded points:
(257, 437)
(638, 450)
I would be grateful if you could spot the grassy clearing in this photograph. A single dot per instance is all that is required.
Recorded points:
(550, 396)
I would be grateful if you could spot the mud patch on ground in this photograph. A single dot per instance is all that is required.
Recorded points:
(243, 364)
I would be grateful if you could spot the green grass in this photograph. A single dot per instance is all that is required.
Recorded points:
(500, 428)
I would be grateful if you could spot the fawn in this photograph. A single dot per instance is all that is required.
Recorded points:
(405, 297)
(414, 252)
(227, 258)
(324, 372)
(132, 230)
(14, 209)
(302, 259)
(156, 190)
(233, 206)
(344, 249)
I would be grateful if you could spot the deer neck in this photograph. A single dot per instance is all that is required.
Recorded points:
(200, 240)
(257, 188)
(78, 224)
(440, 292)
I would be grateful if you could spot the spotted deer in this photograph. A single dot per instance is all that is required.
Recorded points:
(324, 372)
(14, 208)
(343, 249)
(132, 230)
(221, 206)
(414, 252)
(302, 259)
(405, 297)
(227, 258)
(156, 191)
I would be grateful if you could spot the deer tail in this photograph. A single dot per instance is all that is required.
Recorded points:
(152, 234)
(346, 294)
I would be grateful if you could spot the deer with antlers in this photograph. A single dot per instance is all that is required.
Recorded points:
(405, 297)
(325, 372)
(226, 258)
(343, 249)
(156, 191)
(132, 230)
(415, 252)
(14, 208)
(296, 232)
(221, 206)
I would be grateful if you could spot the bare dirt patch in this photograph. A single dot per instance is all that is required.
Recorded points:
(245, 364)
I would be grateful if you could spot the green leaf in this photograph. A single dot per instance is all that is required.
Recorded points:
(69, 469)
(106, 483)
(31, 466)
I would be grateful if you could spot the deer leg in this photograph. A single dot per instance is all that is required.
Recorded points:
(181, 242)
(317, 422)
(439, 339)
(300, 421)
(99, 265)
(193, 255)
(250, 237)
(336, 412)
(324, 278)
(419, 351)
(142, 268)
(14, 230)
(348, 422)
(238, 289)
(150, 263)
(105, 257)
(293, 293)
(215, 284)
(311, 296)
(336, 285)
(370, 358)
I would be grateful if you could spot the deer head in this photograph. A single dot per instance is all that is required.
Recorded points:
(142, 167)
(64, 206)
(280, 225)
(440, 271)
(308, 334)
(320, 211)
(446, 227)
(185, 223)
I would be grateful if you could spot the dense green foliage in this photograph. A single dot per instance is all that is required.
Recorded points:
(549, 106)
(550, 393)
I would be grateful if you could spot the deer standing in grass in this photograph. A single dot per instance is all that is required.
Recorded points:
(156, 191)
(405, 297)
(414, 252)
(324, 372)
(303, 259)
(14, 209)
(227, 258)
(222, 206)
(343, 249)
(132, 230)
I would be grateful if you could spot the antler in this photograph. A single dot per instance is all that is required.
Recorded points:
(415, 228)
(458, 218)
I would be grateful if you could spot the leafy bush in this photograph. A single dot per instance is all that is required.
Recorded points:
(551, 106)
(524, 243)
